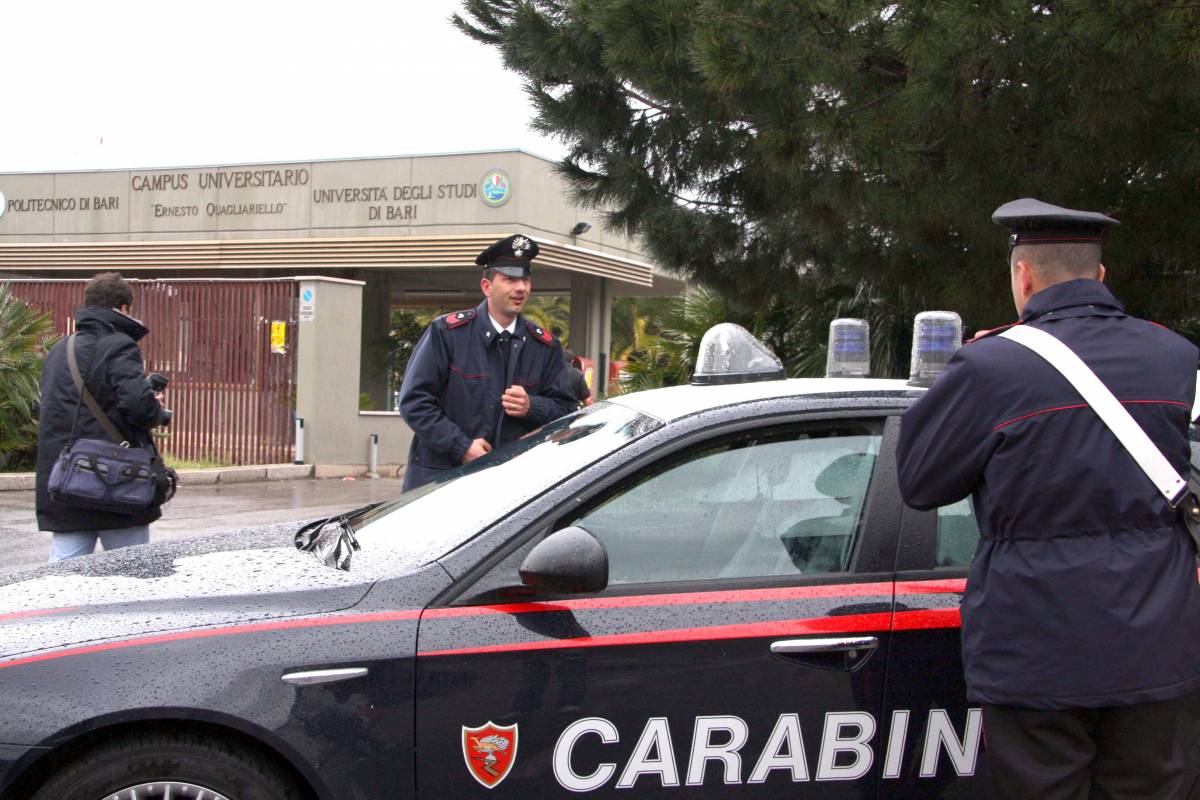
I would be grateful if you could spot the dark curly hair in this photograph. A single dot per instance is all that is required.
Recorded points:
(107, 290)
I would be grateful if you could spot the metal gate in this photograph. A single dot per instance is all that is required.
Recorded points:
(232, 387)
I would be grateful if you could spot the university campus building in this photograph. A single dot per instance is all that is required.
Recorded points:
(267, 287)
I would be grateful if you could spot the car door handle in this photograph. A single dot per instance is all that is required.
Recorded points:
(839, 644)
(312, 677)
(843, 653)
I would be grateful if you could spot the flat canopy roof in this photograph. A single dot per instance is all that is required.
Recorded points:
(394, 252)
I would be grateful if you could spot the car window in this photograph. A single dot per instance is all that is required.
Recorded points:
(957, 534)
(779, 502)
(426, 523)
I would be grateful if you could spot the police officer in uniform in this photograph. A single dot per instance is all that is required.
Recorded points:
(1081, 616)
(482, 377)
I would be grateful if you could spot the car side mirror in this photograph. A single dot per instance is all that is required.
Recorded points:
(568, 561)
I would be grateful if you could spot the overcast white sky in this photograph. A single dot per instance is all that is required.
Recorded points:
(133, 83)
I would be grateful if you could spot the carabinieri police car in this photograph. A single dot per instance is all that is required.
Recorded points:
(704, 591)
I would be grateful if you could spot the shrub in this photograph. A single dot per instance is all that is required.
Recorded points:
(25, 335)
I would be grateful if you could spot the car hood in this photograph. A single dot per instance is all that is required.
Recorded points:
(240, 576)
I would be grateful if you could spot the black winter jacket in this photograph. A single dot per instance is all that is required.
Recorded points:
(111, 365)
(1083, 592)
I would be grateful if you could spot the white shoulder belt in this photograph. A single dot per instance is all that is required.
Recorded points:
(1107, 407)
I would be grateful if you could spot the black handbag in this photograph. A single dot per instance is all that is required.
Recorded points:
(102, 475)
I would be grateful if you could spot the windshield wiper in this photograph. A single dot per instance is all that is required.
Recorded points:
(332, 540)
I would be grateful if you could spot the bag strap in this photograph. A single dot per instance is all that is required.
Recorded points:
(92, 405)
(1107, 407)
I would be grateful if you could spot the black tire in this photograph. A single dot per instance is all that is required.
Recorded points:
(218, 766)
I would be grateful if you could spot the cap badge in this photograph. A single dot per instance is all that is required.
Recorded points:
(520, 245)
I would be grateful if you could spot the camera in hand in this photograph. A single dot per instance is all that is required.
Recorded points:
(158, 382)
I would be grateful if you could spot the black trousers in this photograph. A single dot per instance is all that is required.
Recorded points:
(1116, 753)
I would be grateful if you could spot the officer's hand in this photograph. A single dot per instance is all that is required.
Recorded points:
(478, 448)
(515, 401)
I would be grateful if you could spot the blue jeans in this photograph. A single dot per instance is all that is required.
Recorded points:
(82, 543)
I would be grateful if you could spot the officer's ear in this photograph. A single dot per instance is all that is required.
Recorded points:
(1103, 272)
(485, 286)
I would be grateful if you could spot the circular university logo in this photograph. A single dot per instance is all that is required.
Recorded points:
(496, 188)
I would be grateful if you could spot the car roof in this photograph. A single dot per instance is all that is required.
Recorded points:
(680, 401)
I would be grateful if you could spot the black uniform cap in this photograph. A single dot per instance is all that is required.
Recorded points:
(510, 256)
(1034, 222)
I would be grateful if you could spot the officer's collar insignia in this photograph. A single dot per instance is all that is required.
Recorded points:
(489, 752)
(456, 318)
(520, 245)
(541, 334)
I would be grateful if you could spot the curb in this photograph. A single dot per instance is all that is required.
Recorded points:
(24, 481)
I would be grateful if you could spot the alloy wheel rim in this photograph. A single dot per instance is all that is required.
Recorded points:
(166, 790)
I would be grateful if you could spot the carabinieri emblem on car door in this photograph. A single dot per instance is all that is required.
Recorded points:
(489, 751)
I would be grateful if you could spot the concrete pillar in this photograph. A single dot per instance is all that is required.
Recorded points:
(591, 325)
(327, 381)
(582, 332)
(326, 367)
(374, 380)
(604, 317)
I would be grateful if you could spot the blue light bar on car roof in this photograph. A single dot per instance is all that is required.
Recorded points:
(730, 354)
(936, 336)
(849, 351)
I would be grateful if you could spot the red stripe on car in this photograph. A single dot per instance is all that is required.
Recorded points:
(40, 612)
(204, 633)
(850, 623)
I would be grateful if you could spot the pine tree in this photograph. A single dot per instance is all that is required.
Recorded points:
(785, 151)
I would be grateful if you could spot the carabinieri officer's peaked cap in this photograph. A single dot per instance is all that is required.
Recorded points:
(1034, 222)
(510, 256)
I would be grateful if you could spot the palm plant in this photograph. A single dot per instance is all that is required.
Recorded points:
(668, 358)
(25, 334)
(798, 329)
(795, 327)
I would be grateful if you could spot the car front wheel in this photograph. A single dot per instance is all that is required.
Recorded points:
(169, 766)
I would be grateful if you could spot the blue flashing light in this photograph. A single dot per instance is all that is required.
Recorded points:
(849, 351)
(936, 337)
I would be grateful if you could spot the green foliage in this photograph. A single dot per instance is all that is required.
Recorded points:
(405, 329)
(552, 312)
(668, 358)
(801, 153)
(25, 335)
(796, 331)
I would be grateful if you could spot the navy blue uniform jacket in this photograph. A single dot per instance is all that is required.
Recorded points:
(1083, 592)
(452, 388)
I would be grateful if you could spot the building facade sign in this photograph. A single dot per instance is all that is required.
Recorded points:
(332, 195)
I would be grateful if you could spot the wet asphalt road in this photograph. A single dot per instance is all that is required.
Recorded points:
(202, 509)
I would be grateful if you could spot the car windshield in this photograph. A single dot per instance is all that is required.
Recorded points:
(426, 523)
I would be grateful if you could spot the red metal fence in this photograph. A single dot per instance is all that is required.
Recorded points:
(231, 392)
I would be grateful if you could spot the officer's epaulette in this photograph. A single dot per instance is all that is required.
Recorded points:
(991, 332)
(541, 334)
(456, 318)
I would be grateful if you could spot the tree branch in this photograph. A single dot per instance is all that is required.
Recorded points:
(645, 101)
(869, 104)
(709, 203)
